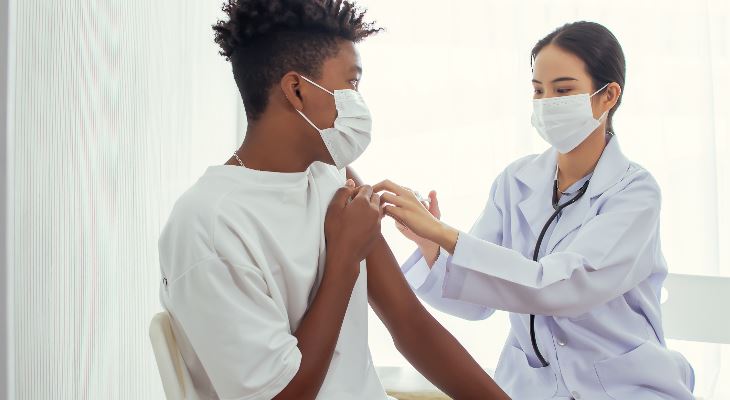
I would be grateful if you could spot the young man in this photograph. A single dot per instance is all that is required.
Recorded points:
(262, 259)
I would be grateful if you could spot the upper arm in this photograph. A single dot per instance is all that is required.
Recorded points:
(237, 331)
(388, 291)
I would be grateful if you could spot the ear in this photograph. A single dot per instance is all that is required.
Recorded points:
(613, 94)
(290, 85)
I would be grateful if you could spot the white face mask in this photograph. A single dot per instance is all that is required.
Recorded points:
(565, 122)
(351, 135)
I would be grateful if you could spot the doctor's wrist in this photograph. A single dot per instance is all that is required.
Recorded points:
(447, 237)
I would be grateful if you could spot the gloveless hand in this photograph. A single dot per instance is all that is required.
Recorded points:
(352, 224)
(404, 206)
(432, 205)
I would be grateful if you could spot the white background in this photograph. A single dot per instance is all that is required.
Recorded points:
(118, 106)
(449, 86)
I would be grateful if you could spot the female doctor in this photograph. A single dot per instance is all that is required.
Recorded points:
(568, 243)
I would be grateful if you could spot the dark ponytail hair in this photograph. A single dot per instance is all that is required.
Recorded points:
(597, 47)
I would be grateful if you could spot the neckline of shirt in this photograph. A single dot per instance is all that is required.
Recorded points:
(248, 176)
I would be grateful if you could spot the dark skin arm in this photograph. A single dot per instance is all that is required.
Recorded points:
(317, 334)
(351, 229)
(422, 340)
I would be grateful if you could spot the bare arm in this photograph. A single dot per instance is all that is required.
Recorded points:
(317, 334)
(426, 344)
(419, 337)
(351, 229)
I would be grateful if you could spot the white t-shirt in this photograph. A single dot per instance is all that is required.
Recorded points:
(241, 257)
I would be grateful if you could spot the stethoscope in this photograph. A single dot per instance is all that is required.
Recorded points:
(558, 209)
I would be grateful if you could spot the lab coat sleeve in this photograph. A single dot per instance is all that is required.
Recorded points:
(239, 334)
(610, 254)
(427, 282)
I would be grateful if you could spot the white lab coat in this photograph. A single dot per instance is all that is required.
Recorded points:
(595, 293)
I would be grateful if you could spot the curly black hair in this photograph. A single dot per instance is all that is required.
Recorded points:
(265, 39)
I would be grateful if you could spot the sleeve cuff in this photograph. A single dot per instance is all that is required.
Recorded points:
(419, 276)
(457, 269)
(488, 258)
(281, 382)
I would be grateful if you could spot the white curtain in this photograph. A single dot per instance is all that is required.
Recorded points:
(118, 107)
(449, 87)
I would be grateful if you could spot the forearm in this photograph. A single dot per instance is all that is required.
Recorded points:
(430, 252)
(419, 337)
(438, 356)
(319, 331)
(446, 237)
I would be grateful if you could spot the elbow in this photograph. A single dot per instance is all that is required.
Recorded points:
(563, 303)
(476, 314)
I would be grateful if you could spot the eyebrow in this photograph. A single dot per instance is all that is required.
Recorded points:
(561, 79)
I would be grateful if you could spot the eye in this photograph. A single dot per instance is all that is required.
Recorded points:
(355, 83)
(538, 91)
(564, 90)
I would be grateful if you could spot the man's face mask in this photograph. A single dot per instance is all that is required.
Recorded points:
(351, 135)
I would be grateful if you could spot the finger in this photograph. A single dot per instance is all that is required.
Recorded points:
(390, 198)
(342, 196)
(395, 213)
(375, 200)
(375, 204)
(350, 183)
(365, 191)
(433, 207)
(389, 186)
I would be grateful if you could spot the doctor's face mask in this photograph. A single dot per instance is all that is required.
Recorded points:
(565, 122)
(347, 140)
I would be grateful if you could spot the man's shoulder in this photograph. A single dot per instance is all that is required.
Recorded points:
(200, 202)
(189, 230)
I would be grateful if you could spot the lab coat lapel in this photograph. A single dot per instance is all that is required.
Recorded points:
(537, 176)
(610, 169)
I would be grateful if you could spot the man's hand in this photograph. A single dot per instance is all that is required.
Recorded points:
(352, 224)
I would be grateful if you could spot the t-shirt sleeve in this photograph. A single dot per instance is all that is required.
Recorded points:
(241, 337)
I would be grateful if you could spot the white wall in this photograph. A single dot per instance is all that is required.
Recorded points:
(118, 107)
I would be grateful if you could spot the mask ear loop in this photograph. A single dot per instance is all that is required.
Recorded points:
(600, 90)
(605, 114)
(310, 121)
(301, 113)
(317, 85)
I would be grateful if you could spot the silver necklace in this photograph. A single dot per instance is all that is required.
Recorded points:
(235, 154)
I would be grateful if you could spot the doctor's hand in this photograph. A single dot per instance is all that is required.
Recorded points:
(424, 225)
(429, 249)
(432, 205)
(352, 224)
